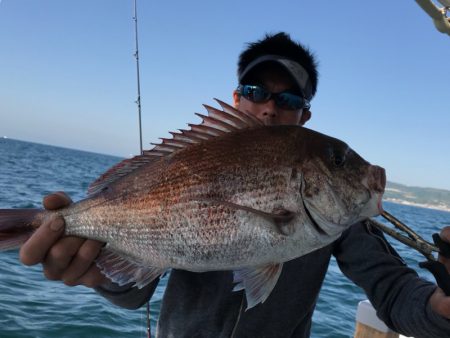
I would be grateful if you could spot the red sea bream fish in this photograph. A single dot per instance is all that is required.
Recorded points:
(228, 194)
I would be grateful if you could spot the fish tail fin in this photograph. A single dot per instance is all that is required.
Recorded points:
(16, 226)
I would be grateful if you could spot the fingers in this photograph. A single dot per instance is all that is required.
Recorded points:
(83, 261)
(445, 235)
(60, 256)
(57, 200)
(71, 260)
(35, 249)
(91, 279)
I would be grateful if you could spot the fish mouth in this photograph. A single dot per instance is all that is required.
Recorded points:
(380, 204)
(374, 206)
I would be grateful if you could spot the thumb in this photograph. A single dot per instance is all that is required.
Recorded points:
(56, 200)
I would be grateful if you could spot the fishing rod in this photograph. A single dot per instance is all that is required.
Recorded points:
(409, 237)
(138, 103)
(136, 55)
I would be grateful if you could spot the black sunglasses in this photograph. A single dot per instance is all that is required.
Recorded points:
(284, 100)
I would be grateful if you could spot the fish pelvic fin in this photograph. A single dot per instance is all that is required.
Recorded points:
(16, 226)
(258, 282)
(217, 123)
(124, 270)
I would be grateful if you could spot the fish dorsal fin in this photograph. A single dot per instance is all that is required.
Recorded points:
(123, 270)
(217, 123)
(121, 169)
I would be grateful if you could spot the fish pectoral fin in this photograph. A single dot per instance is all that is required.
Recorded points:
(281, 217)
(258, 283)
(123, 270)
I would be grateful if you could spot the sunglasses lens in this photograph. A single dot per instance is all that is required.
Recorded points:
(283, 100)
(255, 93)
(290, 101)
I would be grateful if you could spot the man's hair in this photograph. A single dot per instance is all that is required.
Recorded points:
(280, 44)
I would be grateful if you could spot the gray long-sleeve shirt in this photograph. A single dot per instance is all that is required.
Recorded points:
(204, 305)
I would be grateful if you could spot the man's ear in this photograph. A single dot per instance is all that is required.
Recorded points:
(236, 99)
(305, 117)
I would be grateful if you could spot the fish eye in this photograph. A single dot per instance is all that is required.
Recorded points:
(337, 157)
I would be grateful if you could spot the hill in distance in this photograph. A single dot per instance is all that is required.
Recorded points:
(421, 197)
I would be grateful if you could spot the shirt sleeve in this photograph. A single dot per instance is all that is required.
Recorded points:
(398, 294)
(127, 296)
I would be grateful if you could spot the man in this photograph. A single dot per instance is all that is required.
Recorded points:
(277, 79)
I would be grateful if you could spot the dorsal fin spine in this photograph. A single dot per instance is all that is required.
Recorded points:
(250, 119)
(175, 143)
(216, 123)
(228, 118)
(205, 129)
(199, 136)
(181, 137)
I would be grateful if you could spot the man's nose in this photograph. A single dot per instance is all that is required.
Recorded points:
(269, 112)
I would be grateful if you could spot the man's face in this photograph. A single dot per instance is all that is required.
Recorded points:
(275, 81)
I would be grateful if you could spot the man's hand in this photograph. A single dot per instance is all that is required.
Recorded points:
(439, 302)
(445, 235)
(66, 258)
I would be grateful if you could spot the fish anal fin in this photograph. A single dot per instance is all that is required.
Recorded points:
(123, 270)
(258, 282)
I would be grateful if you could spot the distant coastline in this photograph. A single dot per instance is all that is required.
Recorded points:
(419, 205)
(429, 198)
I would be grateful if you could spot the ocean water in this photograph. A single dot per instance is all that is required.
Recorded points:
(31, 306)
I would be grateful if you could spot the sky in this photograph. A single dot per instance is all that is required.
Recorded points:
(68, 74)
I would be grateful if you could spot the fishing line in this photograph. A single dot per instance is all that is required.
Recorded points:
(149, 333)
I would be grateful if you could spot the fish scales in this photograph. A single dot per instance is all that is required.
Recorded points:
(163, 212)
